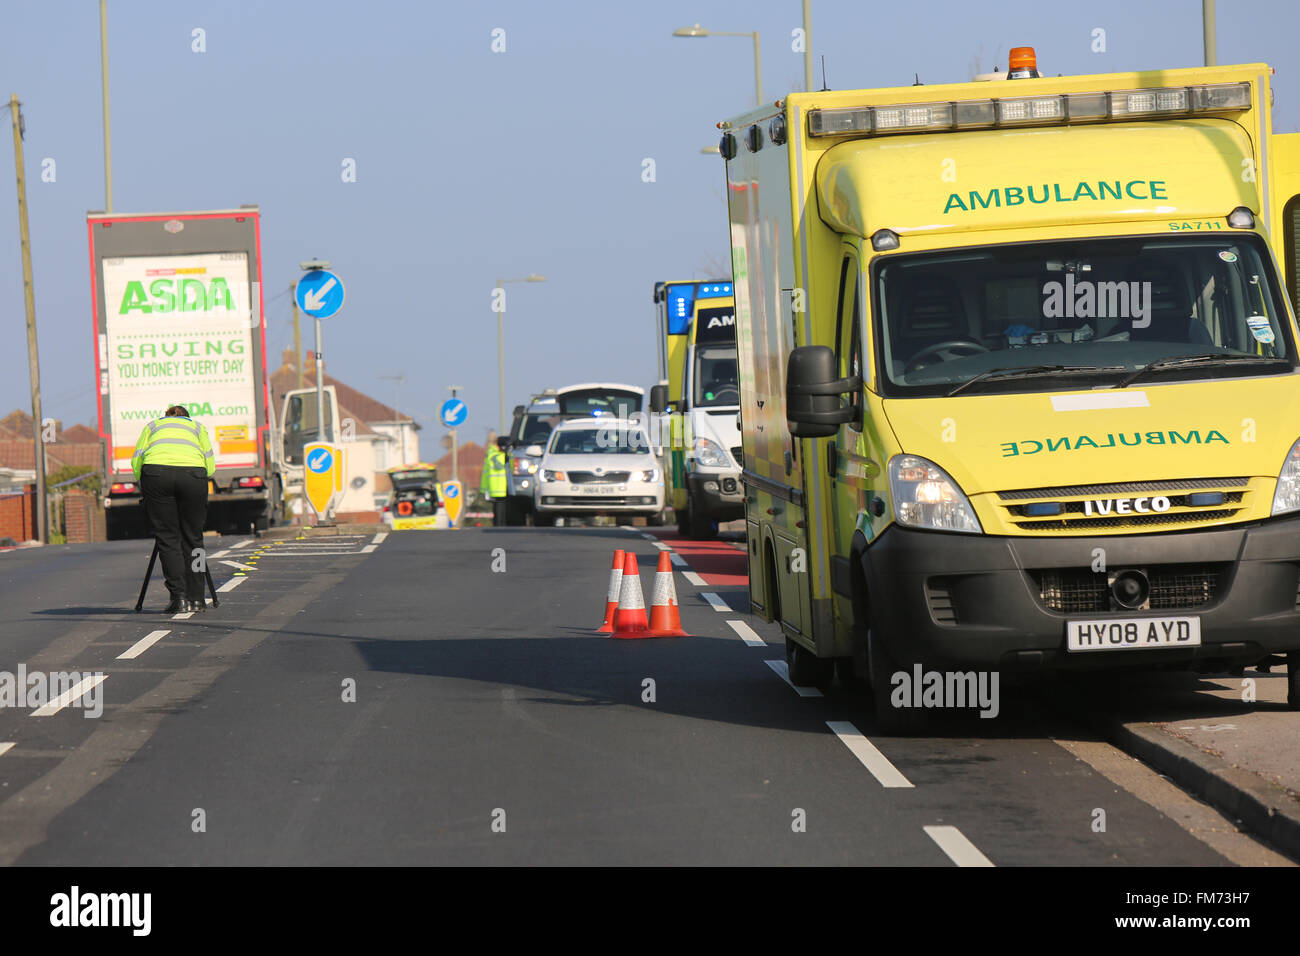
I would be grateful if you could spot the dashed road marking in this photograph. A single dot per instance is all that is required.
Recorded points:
(183, 616)
(747, 634)
(959, 849)
(695, 579)
(74, 692)
(783, 671)
(230, 585)
(142, 645)
(368, 548)
(866, 752)
(717, 602)
(678, 561)
(662, 547)
(379, 537)
(241, 567)
(5, 747)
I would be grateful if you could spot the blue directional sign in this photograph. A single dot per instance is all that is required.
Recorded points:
(320, 461)
(320, 293)
(453, 490)
(454, 412)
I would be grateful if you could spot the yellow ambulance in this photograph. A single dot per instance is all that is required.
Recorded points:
(1018, 374)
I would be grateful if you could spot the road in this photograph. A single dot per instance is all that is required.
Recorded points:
(441, 698)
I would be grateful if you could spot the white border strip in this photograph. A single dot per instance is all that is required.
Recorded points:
(231, 585)
(142, 645)
(959, 849)
(695, 579)
(6, 746)
(866, 752)
(678, 561)
(379, 537)
(68, 696)
(719, 605)
(747, 634)
(783, 671)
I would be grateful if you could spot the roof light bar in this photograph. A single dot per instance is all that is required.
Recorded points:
(1057, 109)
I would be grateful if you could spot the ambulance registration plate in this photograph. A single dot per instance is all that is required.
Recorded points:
(1119, 634)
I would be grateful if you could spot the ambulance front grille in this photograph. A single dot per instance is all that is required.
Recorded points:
(1173, 587)
(1227, 501)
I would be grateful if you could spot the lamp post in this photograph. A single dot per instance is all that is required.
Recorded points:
(699, 31)
(501, 348)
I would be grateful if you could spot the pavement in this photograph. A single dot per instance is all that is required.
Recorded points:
(426, 697)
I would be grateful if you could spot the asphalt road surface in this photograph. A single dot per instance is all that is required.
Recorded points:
(425, 698)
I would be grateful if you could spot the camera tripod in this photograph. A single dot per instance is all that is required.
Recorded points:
(207, 574)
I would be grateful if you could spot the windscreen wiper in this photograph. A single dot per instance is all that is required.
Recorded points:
(1206, 358)
(1030, 371)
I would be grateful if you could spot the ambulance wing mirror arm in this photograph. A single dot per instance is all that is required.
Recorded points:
(658, 399)
(813, 389)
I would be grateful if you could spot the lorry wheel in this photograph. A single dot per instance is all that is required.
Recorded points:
(806, 669)
(1293, 680)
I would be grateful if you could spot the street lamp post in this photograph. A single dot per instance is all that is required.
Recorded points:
(501, 348)
(699, 31)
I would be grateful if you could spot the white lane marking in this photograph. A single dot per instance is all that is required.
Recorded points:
(5, 747)
(142, 645)
(368, 548)
(183, 616)
(68, 696)
(242, 567)
(662, 547)
(783, 671)
(240, 544)
(1094, 401)
(648, 537)
(717, 602)
(678, 560)
(865, 751)
(230, 585)
(219, 554)
(695, 579)
(379, 537)
(311, 554)
(959, 849)
(747, 634)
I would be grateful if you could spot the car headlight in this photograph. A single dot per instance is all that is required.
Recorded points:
(548, 475)
(710, 454)
(650, 474)
(1287, 496)
(925, 497)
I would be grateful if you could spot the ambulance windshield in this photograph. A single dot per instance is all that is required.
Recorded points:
(1079, 314)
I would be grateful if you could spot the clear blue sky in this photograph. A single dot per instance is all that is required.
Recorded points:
(473, 165)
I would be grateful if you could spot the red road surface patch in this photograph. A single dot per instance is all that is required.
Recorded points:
(720, 563)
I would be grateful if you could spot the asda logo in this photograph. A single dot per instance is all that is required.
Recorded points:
(177, 295)
(1032, 446)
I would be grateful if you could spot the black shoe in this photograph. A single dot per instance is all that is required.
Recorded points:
(201, 605)
(177, 606)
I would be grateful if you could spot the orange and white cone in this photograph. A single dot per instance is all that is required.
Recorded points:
(665, 616)
(629, 619)
(611, 596)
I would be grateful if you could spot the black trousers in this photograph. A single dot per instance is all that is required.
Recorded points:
(176, 499)
(498, 512)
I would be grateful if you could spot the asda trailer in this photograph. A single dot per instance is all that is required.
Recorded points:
(177, 314)
(1018, 375)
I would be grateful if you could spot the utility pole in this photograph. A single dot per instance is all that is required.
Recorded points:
(29, 296)
(807, 47)
(297, 334)
(455, 444)
(103, 69)
(1207, 27)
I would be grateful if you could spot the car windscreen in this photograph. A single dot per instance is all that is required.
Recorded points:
(534, 429)
(599, 441)
(601, 402)
(1078, 314)
(715, 376)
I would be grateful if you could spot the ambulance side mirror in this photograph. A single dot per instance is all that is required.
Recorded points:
(534, 451)
(812, 393)
(659, 399)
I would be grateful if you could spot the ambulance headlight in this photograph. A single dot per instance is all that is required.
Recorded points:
(1287, 496)
(710, 454)
(925, 497)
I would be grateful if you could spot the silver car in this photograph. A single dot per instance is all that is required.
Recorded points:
(599, 466)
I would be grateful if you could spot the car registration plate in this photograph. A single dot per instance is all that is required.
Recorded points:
(1118, 634)
(598, 489)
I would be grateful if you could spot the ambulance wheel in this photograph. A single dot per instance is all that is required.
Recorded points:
(1293, 680)
(683, 516)
(700, 527)
(806, 669)
(897, 721)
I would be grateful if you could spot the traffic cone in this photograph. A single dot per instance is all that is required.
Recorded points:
(665, 617)
(629, 619)
(611, 597)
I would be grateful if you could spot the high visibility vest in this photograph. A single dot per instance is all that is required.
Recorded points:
(494, 474)
(174, 441)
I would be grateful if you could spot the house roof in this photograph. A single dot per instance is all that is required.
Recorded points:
(354, 404)
(79, 433)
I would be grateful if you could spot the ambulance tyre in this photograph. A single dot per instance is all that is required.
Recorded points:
(806, 669)
(1293, 680)
(700, 527)
(898, 721)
